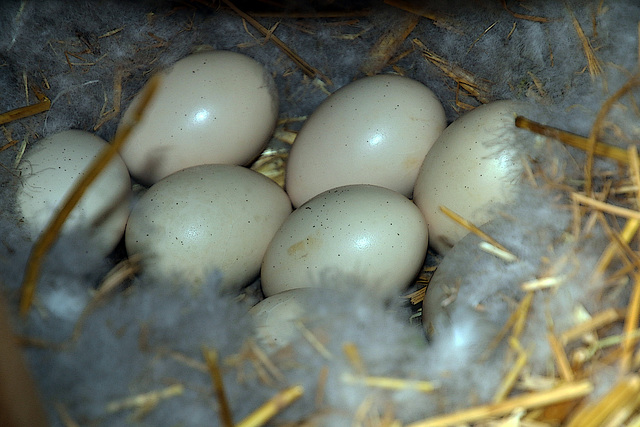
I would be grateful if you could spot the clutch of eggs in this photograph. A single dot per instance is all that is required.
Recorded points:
(50, 171)
(200, 115)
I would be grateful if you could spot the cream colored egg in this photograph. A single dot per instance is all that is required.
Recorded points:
(441, 304)
(471, 167)
(50, 171)
(211, 107)
(375, 130)
(275, 317)
(371, 234)
(471, 295)
(207, 218)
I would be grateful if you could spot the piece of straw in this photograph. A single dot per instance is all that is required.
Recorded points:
(497, 252)
(386, 46)
(266, 362)
(515, 321)
(390, 383)
(624, 396)
(149, 399)
(562, 393)
(560, 356)
(630, 325)
(598, 123)
(112, 281)
(313, 340)
(264, 413)
(105, 116)
(628, 232)
(462, 77)
(353, 355)
(605, 207)
(598, 321)
(473, 229)
(521, 16)
(593, 63)
(634, 170)
(301, 63)
(573, 140)
(30, 110)
(224, 411)
(510, 379)
(542, 283)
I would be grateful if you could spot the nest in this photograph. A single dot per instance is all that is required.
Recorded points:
(599, 341)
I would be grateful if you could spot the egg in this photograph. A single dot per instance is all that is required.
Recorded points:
(211, 107)
(371, 234)
(376, 130)
(472, 167)
(48, 174)
(275, 317)
(470, 305)
(441, 306)
(204, 219)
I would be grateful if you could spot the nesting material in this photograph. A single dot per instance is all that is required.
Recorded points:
(540, 313)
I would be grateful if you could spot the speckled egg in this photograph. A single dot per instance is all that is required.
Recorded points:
(275, 317)
(372, 234)
(49, 173)
(207, 218)
(471, 168)
(375, 130)
(211, 107)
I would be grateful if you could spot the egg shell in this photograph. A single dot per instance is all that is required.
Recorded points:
(376, 130)
(471, 167)
(207, 218)
(50, 171)
(211, 107)
(369, 233)
(276, 315)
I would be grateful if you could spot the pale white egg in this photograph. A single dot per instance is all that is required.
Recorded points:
(205, 219)
(371, 234)
(211, 107)
(472, 167)
(276, 317)
(376, 130)
(50, 171)
(471, 294)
